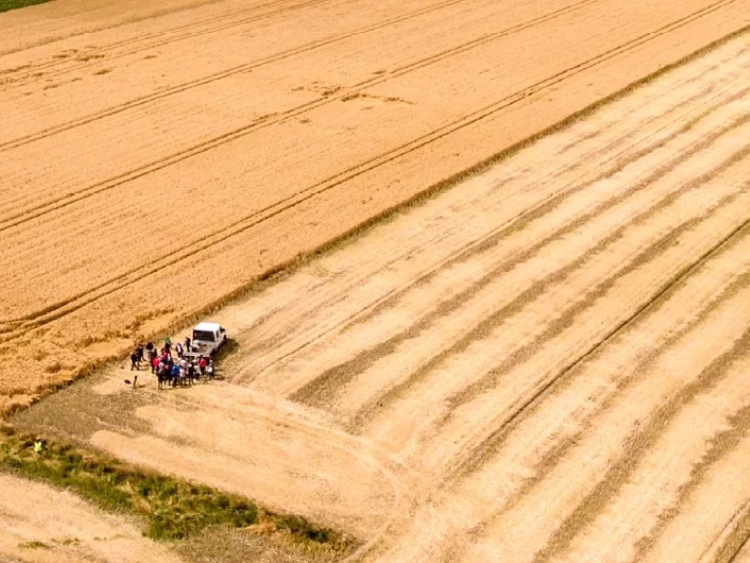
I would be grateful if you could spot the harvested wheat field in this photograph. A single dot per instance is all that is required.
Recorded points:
(159, 158)
(549, 361)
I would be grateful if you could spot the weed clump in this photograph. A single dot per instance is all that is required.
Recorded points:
(6, 5)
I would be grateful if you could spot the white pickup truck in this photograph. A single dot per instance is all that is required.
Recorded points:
(207, 339)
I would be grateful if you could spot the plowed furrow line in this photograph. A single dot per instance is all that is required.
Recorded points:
(590, 246)
(457, 280)
(310, 308)
(368, 165)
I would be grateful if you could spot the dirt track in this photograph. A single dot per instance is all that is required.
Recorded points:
(547, 362)
(157, 159)
(41, 524)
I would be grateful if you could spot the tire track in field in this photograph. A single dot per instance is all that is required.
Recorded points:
(732, 541)
(365, 166)
(722, 445)
(185, 86)
(315, 392)
(619, 430)
(305, 49)
(302, 196)
(476, 246)
(641, 375)
(258, 124)
(370, 164)
(29, 71)
(137, 19)
(666, 336)
(58, 314)
(490, 380)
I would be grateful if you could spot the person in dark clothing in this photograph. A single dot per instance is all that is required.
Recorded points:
(134, 361)
(175, 374)
(163, 375)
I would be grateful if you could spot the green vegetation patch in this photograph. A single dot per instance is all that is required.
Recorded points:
(6, 5)
(174, 508)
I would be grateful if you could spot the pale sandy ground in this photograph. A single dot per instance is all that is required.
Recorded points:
(157, 157)
(70, 530)
(547, 362)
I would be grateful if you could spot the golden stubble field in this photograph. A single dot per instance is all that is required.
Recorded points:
(547, 362)
(158, 158)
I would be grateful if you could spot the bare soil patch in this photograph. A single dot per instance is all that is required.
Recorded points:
(43, 524)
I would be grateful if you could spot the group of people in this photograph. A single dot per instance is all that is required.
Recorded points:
(169, 370)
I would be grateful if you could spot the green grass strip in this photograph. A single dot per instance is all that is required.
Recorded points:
(174, 508)
(6, 5)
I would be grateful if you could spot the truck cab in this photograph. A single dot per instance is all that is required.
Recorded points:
(207, 339)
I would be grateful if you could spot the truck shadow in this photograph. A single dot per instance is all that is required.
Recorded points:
(230, 347)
